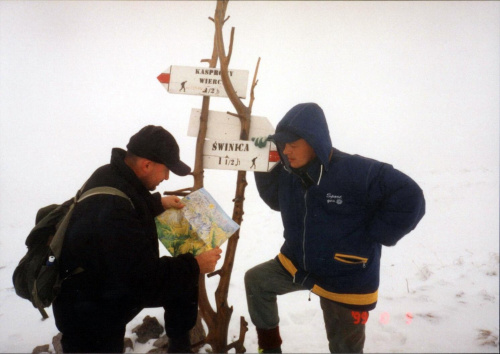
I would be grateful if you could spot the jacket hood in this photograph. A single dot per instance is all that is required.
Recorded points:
(307, 121)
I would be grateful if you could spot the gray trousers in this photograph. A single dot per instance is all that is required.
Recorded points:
(345, 328)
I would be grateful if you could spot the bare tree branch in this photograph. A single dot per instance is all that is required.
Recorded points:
(230, 51)
(254, 84)
(224, 59)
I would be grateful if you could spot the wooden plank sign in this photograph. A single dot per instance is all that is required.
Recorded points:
(224, 126)
(224, 151)
(202, 81)
(238, 155)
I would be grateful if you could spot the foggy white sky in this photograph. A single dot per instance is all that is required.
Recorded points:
(415, 84)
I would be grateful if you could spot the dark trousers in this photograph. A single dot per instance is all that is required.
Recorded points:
(90, 326)
(93, 342)
(345, 329)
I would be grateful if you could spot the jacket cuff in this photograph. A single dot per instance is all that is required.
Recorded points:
(157, 206)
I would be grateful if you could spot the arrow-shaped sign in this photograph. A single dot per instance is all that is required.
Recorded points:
(238, 155)
(223, 126)
(202, 81)
(224, 151)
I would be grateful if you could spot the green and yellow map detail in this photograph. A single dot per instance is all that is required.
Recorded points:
(201, 225)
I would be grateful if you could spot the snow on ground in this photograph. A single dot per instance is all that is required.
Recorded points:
(439, 285)
(415, 84)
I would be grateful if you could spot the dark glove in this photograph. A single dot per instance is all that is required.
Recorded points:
(260, 141)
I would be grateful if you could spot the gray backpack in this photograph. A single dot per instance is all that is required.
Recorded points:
(36, 278)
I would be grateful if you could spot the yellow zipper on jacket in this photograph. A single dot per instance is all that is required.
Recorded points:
(350, 259)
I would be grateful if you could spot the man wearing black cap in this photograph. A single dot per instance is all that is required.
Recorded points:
(116, 245)
(337, 210)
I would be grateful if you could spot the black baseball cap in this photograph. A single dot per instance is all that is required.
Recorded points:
(157, 144)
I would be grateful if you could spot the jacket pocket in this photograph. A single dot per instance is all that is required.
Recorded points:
(350, 259)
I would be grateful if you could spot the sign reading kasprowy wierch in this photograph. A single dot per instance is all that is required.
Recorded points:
(202, 81)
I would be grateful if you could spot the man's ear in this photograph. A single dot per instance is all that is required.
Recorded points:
(144, 166)
(148, 165)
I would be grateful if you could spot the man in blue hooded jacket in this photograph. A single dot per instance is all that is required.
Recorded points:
(337, 210)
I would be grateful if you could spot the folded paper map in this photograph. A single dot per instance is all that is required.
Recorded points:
(201, 225)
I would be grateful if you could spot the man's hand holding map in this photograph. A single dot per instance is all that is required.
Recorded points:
(201, 225)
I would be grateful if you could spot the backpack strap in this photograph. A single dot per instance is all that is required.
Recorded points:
(104, 190)
(57, 241)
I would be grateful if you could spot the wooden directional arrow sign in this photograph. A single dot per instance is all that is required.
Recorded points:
(202, 81)
(238, 155)
(222, 149)
(224, 126)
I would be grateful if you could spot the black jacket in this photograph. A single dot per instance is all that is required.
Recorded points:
(117, 246)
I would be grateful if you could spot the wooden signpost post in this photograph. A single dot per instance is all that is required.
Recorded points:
(222, 143)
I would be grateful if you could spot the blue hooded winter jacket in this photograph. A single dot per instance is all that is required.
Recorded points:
(337, 212)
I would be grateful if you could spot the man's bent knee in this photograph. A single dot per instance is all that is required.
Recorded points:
(252, 278)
